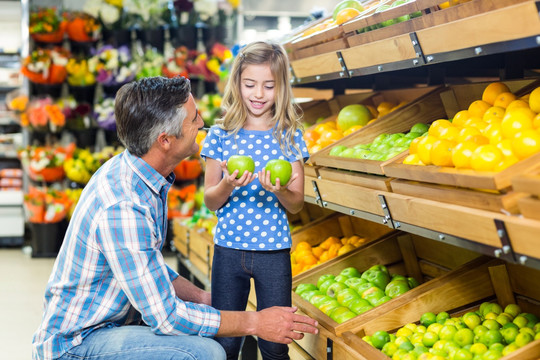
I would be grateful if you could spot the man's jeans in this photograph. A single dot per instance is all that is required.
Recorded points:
(140, 343)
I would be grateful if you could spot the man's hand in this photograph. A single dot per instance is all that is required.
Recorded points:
(282, 325)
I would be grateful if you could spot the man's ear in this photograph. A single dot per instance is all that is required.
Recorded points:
(164, 141)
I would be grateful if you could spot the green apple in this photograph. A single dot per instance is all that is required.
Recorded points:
(373, 295)
(396, 288)
(307, 295)
(329, 306)
(350, 272)
(337, 150)
(348, 153)
(279, 169)
(360, 306)
(352, 282)
(346, 296)
(341, 278)
(341, 314)
(305, 287)
(323, 278)
(361, 153)
(361, 287)
(326, 284)
(241, 163)
(335, 288)
(381, 300)
(318, 300)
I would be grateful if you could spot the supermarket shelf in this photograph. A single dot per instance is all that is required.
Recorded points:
(196, 273)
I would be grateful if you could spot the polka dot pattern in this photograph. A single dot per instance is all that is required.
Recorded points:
(252, 219)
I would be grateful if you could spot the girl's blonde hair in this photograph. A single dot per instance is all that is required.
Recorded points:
(286, 115)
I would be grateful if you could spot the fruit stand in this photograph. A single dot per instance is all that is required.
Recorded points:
(446, 57)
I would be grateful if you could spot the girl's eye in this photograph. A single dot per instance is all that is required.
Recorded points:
(249, 86)
(268, 87)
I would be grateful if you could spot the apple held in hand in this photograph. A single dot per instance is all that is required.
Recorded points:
(281, 169)
(240, 163)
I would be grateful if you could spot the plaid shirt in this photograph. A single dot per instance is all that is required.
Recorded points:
(110, 266)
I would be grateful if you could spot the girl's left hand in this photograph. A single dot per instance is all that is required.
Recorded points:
(264, 178)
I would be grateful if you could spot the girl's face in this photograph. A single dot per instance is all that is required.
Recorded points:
(257, 89)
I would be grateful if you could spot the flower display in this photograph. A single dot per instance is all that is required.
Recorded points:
(109, 12)
(83, 164)
(46, 66)
(45, 163)
(46, 206)
(78, 115)
(113, 66)
(47, 25)
(209, 106)
(78, 73)
(211, 67)
(82, 27)
(181, 201)
(150, 64)
(104, 114)
(44, 115)
(147, 13)
(176, 65)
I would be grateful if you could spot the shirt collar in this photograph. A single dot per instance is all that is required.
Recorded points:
(148, 174)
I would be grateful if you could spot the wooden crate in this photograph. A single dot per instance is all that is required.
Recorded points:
(180, 236)
(424, 105)
(491, 280)
(454, 99)
(337, 225)
(529, 205)
(404, 254)
(201, 250)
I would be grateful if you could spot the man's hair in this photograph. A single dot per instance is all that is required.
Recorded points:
(148, 107)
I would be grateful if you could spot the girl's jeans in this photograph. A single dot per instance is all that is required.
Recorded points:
(231, 273)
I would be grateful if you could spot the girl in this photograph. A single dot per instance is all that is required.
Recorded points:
(252, 238)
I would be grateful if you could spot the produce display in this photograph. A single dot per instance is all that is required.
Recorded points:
(352, 293)
(84, 163)
(389, 22)
(304, 256)
(350, 118)
(488, 333)
(494, 133)
(383, 147)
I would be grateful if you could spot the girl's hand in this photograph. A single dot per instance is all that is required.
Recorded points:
(231, 179)
(264, 178)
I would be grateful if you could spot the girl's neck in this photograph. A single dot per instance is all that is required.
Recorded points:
(259, 124)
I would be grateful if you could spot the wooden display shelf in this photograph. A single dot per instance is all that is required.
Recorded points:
(336, 225)
(456, 294)
(403, 254)
(529, 206)
(424, 105)
(201, 250)
(321, 66)
(376, 182)
(180, 236)
(482, 29)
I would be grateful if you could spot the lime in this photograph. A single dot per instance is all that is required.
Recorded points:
(428, 318)
(379, 339)
(429, 338)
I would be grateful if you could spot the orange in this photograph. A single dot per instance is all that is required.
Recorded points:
(303, 246)
(441, 152)
(373, 111)
(506, 162)
(534, 100)
(333, 250)
(413, 159)
(494, 133)
(504, 99)
(384, 108)
(324, 256)
(311, 135)
(346, 15)
(517, 120)
(460, 117)
(424, 148)
(526, 143)
(317, 251)
(517, 104)
(461, 154)
(467, 132)
(486, 157)
(492, 91)
(491, 118)
(478, 108)
(329, 241)
(477, 123)
(324, 126)
(331, 134)
(450, 133)
(296, 269)
(413, 147)
(479, 139)
(506, 147)
(494, 111)
(352, 129)
(536, 122)
(438, 127)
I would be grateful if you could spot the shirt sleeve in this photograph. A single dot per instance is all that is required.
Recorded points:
(130, 248)
(301, 144)
(212, 146)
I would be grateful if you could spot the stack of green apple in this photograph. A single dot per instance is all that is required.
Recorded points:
(486, 334)
(384, 147)
(397, 20)
(352, 293)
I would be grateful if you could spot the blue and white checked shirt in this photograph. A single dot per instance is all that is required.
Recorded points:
(110, 263)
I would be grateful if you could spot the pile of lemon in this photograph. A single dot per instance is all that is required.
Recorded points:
(492, 134)
(305, 256)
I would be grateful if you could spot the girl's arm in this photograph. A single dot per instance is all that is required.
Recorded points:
(218, 188)
(291, 195)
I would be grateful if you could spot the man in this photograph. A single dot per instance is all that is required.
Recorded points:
(110, 294)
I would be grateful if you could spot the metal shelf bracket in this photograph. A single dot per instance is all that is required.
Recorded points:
(387, 220)
(318, 198)
(420, 59)
(506, 252)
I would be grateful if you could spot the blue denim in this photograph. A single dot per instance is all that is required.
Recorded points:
(231, 273)
(140, 343)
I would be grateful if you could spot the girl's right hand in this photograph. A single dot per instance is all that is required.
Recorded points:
(231, 179)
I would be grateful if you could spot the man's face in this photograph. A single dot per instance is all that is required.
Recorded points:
(185, 145)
